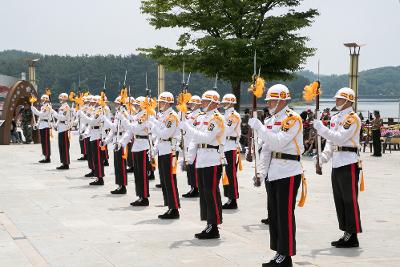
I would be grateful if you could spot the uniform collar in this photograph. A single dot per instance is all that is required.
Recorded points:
(346, 111)
(229, 110)
(281, 113)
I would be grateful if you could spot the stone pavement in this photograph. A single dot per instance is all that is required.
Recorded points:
(53, 218)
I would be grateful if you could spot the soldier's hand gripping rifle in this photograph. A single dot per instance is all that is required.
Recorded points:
(183, 99)
(32, 100)
(257, 90)
(310, 93)
(149, 106)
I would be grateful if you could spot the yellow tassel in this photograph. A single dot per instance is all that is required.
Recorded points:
(125, 155)
(153, 164)
(362, 181)
(303, 197)
(225, 180)
(174, 165)
(240, 161)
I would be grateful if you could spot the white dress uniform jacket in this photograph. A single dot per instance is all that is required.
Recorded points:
(44, 115)
(63, 117)
(94, 123)
(139, 127)
(165, 128)
(232, 129)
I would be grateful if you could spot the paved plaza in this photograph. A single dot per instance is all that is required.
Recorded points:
(54, 218)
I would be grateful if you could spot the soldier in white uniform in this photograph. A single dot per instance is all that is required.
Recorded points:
(283, 139)
(63, 117)
(131, 115)
(165, 128)
(94, 122)
(115, 133)
(44, 126)
(231, 148)
(104, 150)
(138, 130)
(194, 105)
(81, 129)
(342, 146)
(205, 143)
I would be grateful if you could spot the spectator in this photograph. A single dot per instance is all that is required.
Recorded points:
(376, 134)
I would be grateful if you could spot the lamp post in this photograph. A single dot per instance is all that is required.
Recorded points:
(32, 71)
(354, 49)
(161, 78)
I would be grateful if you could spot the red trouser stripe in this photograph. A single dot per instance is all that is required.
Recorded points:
(123, 166)
(214, 193)
(84, 146)
(290, 218)
(98, 157)
(353, 189)
(66, 147)
(144, 174)
(171, 175)
(235, 187)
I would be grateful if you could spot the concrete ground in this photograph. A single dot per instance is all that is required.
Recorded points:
(53, 218)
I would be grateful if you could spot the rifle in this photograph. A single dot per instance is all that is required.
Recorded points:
(149, 104)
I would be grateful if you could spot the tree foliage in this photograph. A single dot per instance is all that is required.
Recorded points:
(222, 35)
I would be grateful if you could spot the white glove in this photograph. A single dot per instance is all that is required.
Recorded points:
(323, 159)
(183, 126)
(255, 124)
(79, 113)
(318, 125)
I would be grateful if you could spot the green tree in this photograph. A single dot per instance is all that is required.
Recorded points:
(222, 35)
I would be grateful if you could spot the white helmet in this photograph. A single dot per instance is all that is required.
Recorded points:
(118, 100)
(346, 93)
(195, 99)
(131, 100)
(63, 97)
(44, 98)
(140, 100)
(89, 98)
(278, 92)
(96, 99)
(166, 97)
(211, 95)
(229, 99)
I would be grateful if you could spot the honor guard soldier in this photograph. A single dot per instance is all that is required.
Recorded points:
(116, 132)
(231, 148)
(194, 105)
(138, 131)
(81, 129)
(342, 146)
(94, 121)
(206, 140)
(165, 129)
(63, 117)
(283, 137)
(44, 126)
(131, 115)
(107, 113)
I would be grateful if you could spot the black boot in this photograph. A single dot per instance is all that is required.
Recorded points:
(211, 232)
(170, 214)
(106, 163)
(90, 174)
(271, 262)
(347, 241)
(230, 205)
(99, 181)
(194, 192)
(63, 167)
(280, 261)
(265, 221)
(119, 191)
(141, 202)
(45, 160)
(129, 170)
(83, 158)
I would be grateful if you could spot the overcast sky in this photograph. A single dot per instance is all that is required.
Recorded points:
(77, 27)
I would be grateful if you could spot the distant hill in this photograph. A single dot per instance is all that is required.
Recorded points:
(61, 74)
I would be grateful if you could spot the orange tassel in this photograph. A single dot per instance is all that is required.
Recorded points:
(153, 164)
(174, 165)
(240, 161)
(362, 186)
(225, 180)
(303, 197)
(125, 155)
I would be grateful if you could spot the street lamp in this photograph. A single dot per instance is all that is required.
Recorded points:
(354, 49)
(32, 71)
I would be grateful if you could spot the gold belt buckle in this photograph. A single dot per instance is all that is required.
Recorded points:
(277, 155)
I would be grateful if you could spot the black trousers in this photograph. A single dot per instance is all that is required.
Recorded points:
(82, 145)
(89, 153)
(63, 147)
(130, 156)
(120, 168)
(193, 178)
(97, 158)
(168, 181)
(45, 142)
(345, 195)
(376, 142)
(140, 163)
(282, 223)
(210, 202)
(231, 190)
